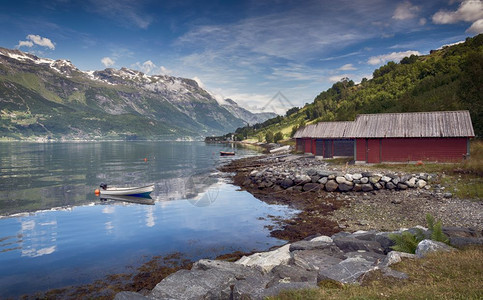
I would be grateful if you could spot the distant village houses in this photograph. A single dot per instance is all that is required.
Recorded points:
(391, 137)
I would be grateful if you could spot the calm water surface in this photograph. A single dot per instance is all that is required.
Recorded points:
(55, 232)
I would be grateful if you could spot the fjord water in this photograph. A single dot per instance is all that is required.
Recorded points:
(54, 232)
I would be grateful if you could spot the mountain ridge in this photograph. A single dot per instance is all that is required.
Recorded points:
(53, 99)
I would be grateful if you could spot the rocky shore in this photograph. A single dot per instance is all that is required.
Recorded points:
(343, 258)
(333, 201)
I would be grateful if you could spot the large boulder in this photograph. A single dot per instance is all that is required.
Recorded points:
(394, 257)
(429, 246)
(349, 244)
(267, 260)
(346, 186)
(310, 245)
(367, 187)
(286, 183)
(316, 259)
(348, 270)
(331, 186)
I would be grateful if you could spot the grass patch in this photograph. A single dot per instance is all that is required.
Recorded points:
(453, 275)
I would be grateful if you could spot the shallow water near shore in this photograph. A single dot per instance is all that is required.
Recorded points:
(54, 232)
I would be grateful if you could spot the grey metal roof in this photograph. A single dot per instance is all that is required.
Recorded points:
(331, 130)
(395, 125)
(417, 124)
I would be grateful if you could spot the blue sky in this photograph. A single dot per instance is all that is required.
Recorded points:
(244, 50)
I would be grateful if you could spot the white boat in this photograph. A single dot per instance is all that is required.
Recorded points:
(126, 191)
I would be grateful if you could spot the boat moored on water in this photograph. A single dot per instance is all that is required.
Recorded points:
(138, 191)
(226, 153)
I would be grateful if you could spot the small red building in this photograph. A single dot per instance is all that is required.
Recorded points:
(326, 139)
(393, 137)
(405, 137)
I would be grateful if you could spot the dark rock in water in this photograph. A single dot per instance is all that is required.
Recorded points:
(286, 183)
(313, 187)
(331, 186)
(349, 244)
(367, 187)
(344, 187)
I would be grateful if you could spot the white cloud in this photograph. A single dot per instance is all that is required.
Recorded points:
(422, 21)
(151, 68)
(476, 27)
(25, 43)
(123, 11)
(394, 56)
(33, 39)
(468, 11)
(405, 11)
(336, 78)
(347, 67)
(199, 82)
(107, 62)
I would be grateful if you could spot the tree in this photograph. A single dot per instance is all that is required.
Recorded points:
(278, 137)
(269, 137)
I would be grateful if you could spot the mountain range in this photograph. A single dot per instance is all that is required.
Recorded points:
(53, 99)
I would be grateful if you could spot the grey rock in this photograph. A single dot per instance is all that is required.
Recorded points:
(331, 186)
(311, 172)
(386, 178)
(421, 183)
(364, 180)
(394, 257)
(349, 244)
(367, 187)
(315, 178)
(447, 195)
(383, 239)
(286, 183)
(323, 180)
(313, 187)
(411, 182)
(345, 187)
(348, 177)
(356, 176)
(357, 187)
(429, 246)
(369, 256)
(402, 186)
(340, 179)
(377, 186)
(129, 296)
(316, 259)
(322, 238)
(323, 173)
(396, 201)
(366, 174)
(388, 272)
(293, 273)
(461, 232)
(347, 271)
(331, 176)
(458, 241)
(390, 186)
(395, 180)
(374, 179)
(311, 245)
(365, 235)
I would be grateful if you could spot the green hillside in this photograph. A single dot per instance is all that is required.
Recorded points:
(447, 79)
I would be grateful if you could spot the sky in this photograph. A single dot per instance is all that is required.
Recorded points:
(267, 55)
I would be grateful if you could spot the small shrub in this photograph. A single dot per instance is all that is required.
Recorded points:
(405, 242)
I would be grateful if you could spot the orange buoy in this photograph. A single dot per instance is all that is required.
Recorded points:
(97, 192)
(145, 159)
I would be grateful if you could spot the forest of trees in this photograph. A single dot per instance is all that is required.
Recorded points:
(447, 79)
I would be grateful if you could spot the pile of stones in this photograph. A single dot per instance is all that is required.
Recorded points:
(316, 180)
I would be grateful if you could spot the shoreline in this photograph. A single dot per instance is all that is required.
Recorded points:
(321, 213)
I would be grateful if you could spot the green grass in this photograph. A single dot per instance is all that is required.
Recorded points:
(449, 275)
